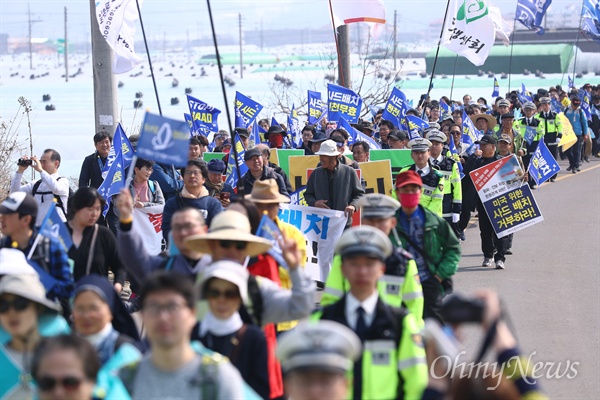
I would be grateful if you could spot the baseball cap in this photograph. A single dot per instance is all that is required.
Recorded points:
(408, 178)
(505, 138)
(398, 135)
(251, 153)
(216, 166)
(19, 202)
(242, 132)
(487, 139)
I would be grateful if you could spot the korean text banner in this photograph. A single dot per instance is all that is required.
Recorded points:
(204, 117)
(343, 102)
(542, 166)
(248, 108)
(316, 108)
(321, 228)
(164, 140)
(395, 108)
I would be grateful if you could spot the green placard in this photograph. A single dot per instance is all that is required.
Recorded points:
(210, 156)
(284, 158)
(398, 158)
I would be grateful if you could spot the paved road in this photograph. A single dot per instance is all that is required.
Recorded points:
(551, 285)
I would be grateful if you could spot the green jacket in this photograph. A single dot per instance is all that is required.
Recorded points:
(441, 246)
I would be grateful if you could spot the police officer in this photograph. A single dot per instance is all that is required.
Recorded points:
(316, 357)
(433, 181)
(550, 128)
(400, 284)
(452, 203)
(529, 121)
(393, 362)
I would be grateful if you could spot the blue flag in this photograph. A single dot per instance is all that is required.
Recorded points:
(584, 96)
(357, 136)
(586, 110)
(396, 107)
(531, 14)
(294, 127)
(188, 119)
(114, 181)
(590, 19)
(542, 166)
(524, 95)
(248, 108)
(571, 84)
(164, 140)
(445, 107)
(416, 126)
(496, 91)
(53, 227)
(456, 157)
(470, 133)
(120, 143)
(343, 102)
(231, 176)
(530, 132)
(204, 117)
(316, 107)
(267, 229)
(374, 110)
(255, 134)
(555, 105)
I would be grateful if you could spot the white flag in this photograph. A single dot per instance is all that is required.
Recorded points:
(349, 11)
(469, 30)
(116, 19)
(503, 28)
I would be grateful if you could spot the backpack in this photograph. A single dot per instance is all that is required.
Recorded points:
(59, 201)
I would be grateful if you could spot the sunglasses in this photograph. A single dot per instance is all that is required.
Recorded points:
(226, 244)
(455, 133)
(48, 383)
(227, 294)
(18, 304)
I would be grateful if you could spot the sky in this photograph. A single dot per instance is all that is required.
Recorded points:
(177, 18)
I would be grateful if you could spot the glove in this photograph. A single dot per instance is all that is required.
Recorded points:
(455, 218)
(557, 141)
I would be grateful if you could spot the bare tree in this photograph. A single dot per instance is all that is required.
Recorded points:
(9, 146)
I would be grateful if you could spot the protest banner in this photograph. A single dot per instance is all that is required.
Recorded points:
(148, 222)
(231, 175)
(508, 202)
(343, 102)
(164, 140)
(377, 176)
(542, 166)
(321, 228)
(204, 117)
(120, 143)
(298, 167)
(248, 109)
(568, 138)
(356, 135)
(316, 107)
(210, 156)
(283, 158)
(297, 197)
(398, 158)
(395, 108)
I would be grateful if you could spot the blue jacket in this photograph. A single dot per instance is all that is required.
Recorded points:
(168, 179)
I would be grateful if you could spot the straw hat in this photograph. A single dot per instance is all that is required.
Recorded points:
(229, 225)
(29, 287)
(266, 192)
(490, 120)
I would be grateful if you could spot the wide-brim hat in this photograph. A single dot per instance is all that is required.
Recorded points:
(228, 225)
(226, 270)
(13, 262)
(29, 287)
(274, 130)
(328, 148)
(490, 120)
(266, 192)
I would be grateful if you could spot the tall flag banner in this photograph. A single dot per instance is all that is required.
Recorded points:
(358, 11)
(343, 102)
(586, 110)
(445, 107)
(456, 157)
(269, 230)
(503, 29)
(531, 14)
(116, 20)
(496, 91)
(294, 127)
(255, 134)
(416, 125)
(231, 176)
(396, 107)
(357, 136)
(248, 109)
(571, 84)
(530, 133)
(316, 108)
(164, 140)
(188, 119)
(114, 181)
(555, 105)
(542, 166)
(470, 134)
(469, 30)
(204, 117)
(120, 144)
(53, 227)
(584, 96)
(590, 19)
(524, 95)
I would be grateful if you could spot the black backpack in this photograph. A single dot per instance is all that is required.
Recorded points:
(59, 201)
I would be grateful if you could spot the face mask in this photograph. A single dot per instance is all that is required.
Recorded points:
(276, 141)
(410, 200)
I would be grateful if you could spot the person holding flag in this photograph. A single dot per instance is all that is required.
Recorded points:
(529, 127)
(550, 128)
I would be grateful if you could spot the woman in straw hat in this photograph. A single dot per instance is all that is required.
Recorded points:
(25, 316)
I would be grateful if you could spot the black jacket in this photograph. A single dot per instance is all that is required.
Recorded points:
(91, 171)
(268, 173)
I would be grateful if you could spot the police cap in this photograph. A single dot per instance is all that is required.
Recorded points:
(419, 144)
(435, 135)
(376, 205)
(364, 241)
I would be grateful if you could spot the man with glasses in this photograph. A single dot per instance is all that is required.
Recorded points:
(193, 194)
(385, 127)
(51, 185)
(456, 135)
(175, 369)
(307, 134)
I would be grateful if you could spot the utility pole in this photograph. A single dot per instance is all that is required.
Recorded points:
(344, 54)
(395, 36)
(66, 50)
(105, 85)
(30, 23)
(241, 55)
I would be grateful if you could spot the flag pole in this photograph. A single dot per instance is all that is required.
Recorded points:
(453, 74)
(149, 58)
(337, 46)
(437, 52)
(512, 42)
(574, 49)
(233, 146)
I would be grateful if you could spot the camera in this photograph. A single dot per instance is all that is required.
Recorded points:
(459, 309)
(24, 163)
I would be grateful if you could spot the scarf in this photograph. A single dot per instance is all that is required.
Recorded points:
(186, 194)
(220, 327)
(213, 189)
(104, 342)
